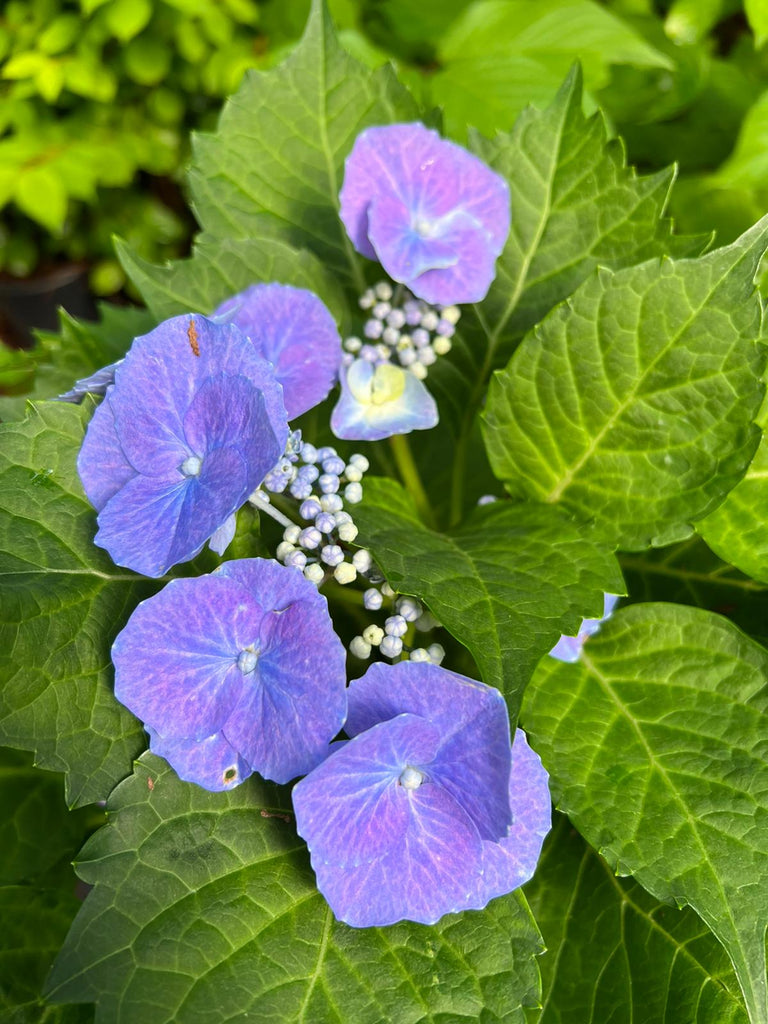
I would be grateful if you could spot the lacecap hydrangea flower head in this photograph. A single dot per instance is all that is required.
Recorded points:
(235, 672)
(193, 422)
(435, 216)
(428, 809)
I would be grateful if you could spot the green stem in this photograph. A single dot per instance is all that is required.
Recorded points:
(409, 474)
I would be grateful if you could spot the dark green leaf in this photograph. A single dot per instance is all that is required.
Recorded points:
(616, 954)
(62, 602)
(633, 403)
(656, 746)
(205, 903)
(506, 584)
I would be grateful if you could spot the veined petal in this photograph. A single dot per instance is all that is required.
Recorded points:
(101, 464)
(211, 763)
(379, 401)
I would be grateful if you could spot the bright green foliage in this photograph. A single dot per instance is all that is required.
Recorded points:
(632, 404)
(757, 14)
(206, 901)
(219, 269)
(79, 349)
(275, 166)
(58, 592)
(738, 530)
(747, 166)
(500, 55)
(614, 953)
(506, 584)
(655, 742)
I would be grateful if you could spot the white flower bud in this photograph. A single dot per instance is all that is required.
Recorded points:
(373, 635)
(360, 461)
(353, 474)
(427, 356)
(381, 310)
(345, 572)
(314, 573)
(310, 538)
(383, 291)
(386, 590)
(284, 549)
(362, 560)
(429, 320)
(331, 503)
(297, 559)
(396, 319)
(419, 370)
(442, 346)
(347, 532)
(408, 357)
(391, 646)
(451, 313)
(372, 599)
(332, 554)
(360, 648)
(391, 335)
(291, 534)
(395, 625)
(409, 609)
(436, 653)
(353, 344)
(368, 299)
(353, 493)
(419, 654)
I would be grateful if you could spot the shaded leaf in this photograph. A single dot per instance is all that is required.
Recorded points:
(656, 745)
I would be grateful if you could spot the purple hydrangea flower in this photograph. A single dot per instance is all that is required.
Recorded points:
(94, 384)
(378, 400)
(235, 672)
(293, 330)
(568, 648)
(403, 821)
(193, 422)
(435, 216)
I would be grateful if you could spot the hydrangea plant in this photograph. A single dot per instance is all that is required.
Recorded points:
(290, 581)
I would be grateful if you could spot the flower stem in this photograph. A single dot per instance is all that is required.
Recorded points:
(409, 474)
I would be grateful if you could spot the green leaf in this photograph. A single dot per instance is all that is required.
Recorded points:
(35, 922)
(207, 900)
(632, 403)
(655, 744)
(78, 349)
(737, 530)
(61, 603)
(219, 269)
(147, 59)
(40, 193)
(126, 18)
(275, 165)
(757, 15)
(614, 953)
(689, 573)
(490, 52)
(506, 584)
(747, 166)
(36, 828)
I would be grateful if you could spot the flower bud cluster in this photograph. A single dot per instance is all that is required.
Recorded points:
(319, 483)
(392, 638)
(404, 327)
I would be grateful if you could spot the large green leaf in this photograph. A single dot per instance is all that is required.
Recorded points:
(616, 954)
(575, 206)
(275, 165)
(656, 746)
(219, 268)
(62, 602)
(205, 902)
(500, 55)
(738, 529)
(633, 403)
(506, 584)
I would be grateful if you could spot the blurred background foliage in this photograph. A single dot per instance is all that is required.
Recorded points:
(98, 98)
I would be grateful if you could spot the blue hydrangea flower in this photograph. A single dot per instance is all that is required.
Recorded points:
(193, 422)
(404, 820)
(435, 216)
(568, 648)
(235, 672)
(378, 400)
(293, 330)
